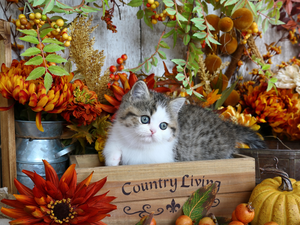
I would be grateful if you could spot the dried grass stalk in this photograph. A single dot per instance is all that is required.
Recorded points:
(89, 62)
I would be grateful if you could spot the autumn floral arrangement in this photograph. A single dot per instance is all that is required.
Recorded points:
(46, 84)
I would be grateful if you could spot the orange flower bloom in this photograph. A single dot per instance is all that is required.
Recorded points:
(54, 201)
(84, 107)
(280, 111)
(13, 84)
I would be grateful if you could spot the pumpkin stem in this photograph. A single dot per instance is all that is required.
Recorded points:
(286, 184)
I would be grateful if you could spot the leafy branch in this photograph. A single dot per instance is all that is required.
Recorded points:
(40, 56)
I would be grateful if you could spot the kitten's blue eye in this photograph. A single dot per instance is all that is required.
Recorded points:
(145, 119)
(163, 126)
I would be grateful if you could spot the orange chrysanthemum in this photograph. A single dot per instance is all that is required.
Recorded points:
(84, 107)
(13, 84)
(54, 201)
(277, 109)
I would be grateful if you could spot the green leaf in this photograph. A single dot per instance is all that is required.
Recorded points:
(270, 4)
(164, 45)
(171, 11)
(186, 39)
(37, 60)
(67, 66)
(43, 33)
(169, 33)
(199, 35)
(180, 77)
(198, 95)
(48, 6)
(29, 32)
(58, 10)
(52, 40)
(168, 3)
(189, 91)
(88, 9)
(140, 14)
(212, 40)
(48, 80)
(175, 39)
(55, 58)
(187, 28)
(224, 96)
(154, 61)
(210, 27)
(238, 5)
(58, 71)
(170, 23)
(36, 73)
(274, 22)
(31, 51)
(38, 2)
(30, 39)
(252, 8)
(147, 21)
(270, 86)
(63, 6)
(179, 69)
(230, 2)
(273, 80)
(147, 66)
(265, 25)
(198, 20)
(180, 62)
(52, 48)
(266, 67)
(161, 54)
(135, 3)
(180, 17)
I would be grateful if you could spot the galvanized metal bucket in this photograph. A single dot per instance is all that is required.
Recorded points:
(32, 146)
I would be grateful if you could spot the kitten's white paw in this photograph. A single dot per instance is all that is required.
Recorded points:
(113, 161)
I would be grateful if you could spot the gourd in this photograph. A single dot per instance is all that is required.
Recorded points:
(276, 199)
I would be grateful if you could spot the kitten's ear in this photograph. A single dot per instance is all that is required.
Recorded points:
(139, 90)
(176, 104)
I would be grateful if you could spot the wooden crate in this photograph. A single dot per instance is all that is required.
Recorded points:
(163, 188)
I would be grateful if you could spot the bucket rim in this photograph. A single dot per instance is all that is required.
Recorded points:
(43, 122)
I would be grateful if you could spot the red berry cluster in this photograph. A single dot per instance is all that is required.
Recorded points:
(113, 69)
(107, 19)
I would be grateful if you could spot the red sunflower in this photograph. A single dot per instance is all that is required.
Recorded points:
(54, 201)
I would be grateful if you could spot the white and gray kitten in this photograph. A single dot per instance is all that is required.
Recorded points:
(151, 128)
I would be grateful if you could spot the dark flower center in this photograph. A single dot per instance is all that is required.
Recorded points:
(61, 211)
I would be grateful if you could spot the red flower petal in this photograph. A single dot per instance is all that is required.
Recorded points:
(25, 199)
(14, 213)
(13, 203)
(51, 174)
(23, 190)
(25, 221)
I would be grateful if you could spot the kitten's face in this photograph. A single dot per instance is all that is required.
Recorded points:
(148, 117)
(148, 123)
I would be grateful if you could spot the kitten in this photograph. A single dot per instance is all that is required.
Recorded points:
(151, 128)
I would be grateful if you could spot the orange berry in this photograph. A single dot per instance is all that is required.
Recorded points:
(236, 223)
(184, 220)
(206, 221)
(244, 212)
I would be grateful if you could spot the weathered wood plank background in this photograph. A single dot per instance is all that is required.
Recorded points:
(138, 40)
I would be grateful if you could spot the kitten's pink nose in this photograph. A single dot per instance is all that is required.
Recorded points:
(153, 131)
